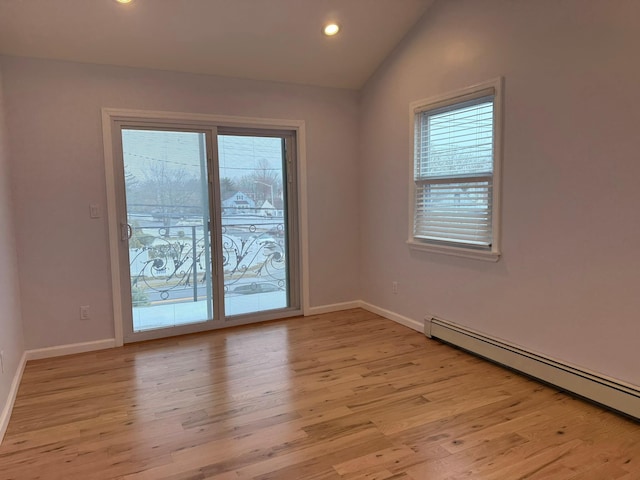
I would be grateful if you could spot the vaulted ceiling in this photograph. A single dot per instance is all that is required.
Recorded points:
(278, 40)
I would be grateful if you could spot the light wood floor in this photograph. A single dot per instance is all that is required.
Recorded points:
(347, 395)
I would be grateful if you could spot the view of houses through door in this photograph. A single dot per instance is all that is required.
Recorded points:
(208, 227)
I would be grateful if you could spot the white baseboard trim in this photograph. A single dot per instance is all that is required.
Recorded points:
(335, 307)
(607, 391)
(13, 392)
(406, 321)
(60, 350)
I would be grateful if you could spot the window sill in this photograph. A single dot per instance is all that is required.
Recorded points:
(487, 256)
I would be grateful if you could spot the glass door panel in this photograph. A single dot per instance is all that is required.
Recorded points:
(168, 215)
(252, 172)
(208, 220)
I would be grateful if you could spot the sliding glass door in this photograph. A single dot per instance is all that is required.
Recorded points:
(255, 240)
(208, 228)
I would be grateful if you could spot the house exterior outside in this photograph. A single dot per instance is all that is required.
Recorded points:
(238, 203)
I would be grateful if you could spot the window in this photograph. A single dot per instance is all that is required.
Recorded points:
(455, 184)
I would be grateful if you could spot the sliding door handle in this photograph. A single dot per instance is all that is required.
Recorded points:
(126, 232)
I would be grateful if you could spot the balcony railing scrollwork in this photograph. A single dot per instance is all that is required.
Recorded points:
(172, 264)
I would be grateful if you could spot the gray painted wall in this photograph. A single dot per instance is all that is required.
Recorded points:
(11, 338)
(54, 113)
(567, 283)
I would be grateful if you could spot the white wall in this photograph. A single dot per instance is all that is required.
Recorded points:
(11, 339)
(568, 282)
(53, 111)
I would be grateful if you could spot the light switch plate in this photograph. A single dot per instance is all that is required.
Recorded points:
(95, 211)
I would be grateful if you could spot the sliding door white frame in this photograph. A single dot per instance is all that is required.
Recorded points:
(110, 119)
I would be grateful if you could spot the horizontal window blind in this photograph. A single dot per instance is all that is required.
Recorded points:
(454, 173)
(454, 212)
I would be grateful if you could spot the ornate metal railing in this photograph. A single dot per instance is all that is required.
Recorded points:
(173, 263)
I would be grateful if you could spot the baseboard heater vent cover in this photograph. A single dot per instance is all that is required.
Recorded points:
(612, 393)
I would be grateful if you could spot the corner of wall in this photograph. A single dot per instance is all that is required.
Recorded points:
(12, 350)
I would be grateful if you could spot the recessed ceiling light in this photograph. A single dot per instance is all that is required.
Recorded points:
(331, 29)
(124, 1)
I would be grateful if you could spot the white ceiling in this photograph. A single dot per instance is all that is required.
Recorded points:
(277, 40)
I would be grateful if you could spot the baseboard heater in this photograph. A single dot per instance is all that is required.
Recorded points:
(624, 398)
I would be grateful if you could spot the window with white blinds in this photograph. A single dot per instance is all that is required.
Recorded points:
(454, 166)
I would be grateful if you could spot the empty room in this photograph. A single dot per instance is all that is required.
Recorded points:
(319, 239)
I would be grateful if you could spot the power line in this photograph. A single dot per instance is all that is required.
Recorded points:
(198, 166)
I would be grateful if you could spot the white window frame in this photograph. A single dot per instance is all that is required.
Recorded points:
(492, 87)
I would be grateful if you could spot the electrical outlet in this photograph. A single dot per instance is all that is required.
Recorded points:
(394, 287)
(84, 312)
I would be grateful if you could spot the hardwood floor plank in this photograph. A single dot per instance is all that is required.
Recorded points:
(373, 460)
(347, 395)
